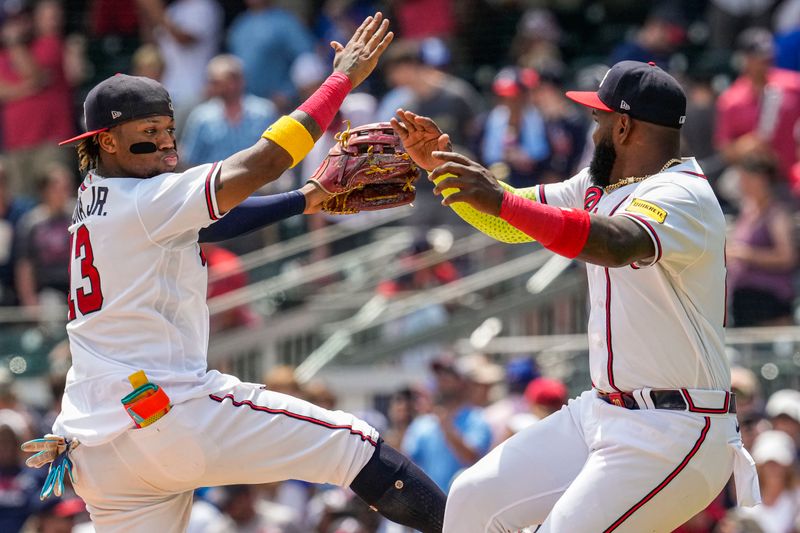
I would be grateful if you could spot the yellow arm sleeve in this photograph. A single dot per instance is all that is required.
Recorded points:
(494, 227)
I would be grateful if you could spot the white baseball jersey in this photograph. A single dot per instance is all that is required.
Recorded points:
(655, 324)
(658, 323)
(138, 296)
(138, 301)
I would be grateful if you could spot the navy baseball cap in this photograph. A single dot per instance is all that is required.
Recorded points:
(642, 90)
(119, 99)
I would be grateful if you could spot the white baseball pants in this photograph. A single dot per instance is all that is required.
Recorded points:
(594, 467)
(142, 481)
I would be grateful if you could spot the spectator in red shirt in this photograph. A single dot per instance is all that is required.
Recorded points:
(417, 19)
(34, 120)
(762, 107)
(114, 34)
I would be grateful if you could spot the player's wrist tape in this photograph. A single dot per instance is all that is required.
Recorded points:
(323, 105)
(292, 136)
(563, 231)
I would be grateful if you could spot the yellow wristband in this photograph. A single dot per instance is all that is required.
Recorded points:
(292, 136)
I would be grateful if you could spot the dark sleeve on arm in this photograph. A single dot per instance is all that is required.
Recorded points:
(254, 213)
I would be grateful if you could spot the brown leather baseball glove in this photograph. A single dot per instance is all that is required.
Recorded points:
(366, 170)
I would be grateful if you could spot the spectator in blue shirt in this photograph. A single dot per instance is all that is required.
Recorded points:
(514, 135)
(657, 40)
(230, 120)
(268, 39)
(452, 437)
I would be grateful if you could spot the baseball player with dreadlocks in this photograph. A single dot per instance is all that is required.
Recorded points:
(143, 423)
(655, 439)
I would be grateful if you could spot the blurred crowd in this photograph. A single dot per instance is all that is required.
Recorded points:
(459, 410)
(234, 66)
(492, 73)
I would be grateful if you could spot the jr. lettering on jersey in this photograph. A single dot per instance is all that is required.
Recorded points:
(96, 205)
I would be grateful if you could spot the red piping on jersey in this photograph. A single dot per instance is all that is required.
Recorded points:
(725, 301)
(610, 363)
(609, 345)
(542, 197)
(666, 481)
(209, 202)
(694, 174)
(650, 230)
(83, 183)
(694, 409)
(290, 414)
(617, 206)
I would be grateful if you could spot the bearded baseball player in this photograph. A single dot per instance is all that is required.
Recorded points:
(656, 438)
(143, 422)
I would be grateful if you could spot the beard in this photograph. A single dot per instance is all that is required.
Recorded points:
(602, 162)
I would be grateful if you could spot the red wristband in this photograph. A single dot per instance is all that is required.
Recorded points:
(563, 231)
(325, 102)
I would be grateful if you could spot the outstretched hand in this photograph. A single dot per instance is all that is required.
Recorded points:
(421, 137)
(315, 197)
(474, 184)
(358, 58)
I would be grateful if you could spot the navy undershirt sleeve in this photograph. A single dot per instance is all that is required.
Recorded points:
(254, 213)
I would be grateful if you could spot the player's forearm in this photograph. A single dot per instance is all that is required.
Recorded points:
(615, 242)
(576, 234)
(245, 172)
(487, 224)
(283, 145)
(253, 214)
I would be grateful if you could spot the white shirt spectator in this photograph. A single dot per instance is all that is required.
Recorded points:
(185, 64)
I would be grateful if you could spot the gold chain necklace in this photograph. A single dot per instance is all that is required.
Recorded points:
(637, 179)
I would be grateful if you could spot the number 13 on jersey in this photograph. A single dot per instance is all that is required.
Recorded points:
(88, 293)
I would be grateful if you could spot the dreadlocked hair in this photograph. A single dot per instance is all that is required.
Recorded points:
(88, 154)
